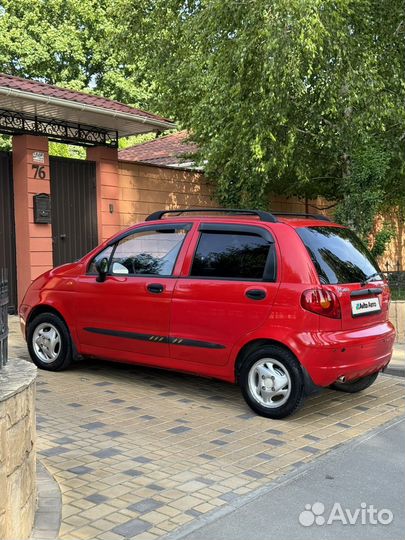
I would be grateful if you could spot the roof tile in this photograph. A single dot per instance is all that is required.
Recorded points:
(43, 89)
(169, 150)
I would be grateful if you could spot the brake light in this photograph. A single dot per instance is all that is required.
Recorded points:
(322, 302)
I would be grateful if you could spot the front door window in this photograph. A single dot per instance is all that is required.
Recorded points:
(151, 253)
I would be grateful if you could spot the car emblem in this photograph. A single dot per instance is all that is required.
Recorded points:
(342, 290)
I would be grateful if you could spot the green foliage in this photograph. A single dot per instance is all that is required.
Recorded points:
(126, 142)
(297, 97)
(361, 192)
(79, 152)
(5, 143)
(67, 150)
(365, 193)
(70, 43)
(278, 94)
(381, 240)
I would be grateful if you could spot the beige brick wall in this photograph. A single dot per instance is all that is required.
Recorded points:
(278, 203)
(397, 317)
(394, 257)
(17, 456)
(145, 189)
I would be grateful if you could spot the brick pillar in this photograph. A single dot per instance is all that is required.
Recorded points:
(108, 190)
(33, 241)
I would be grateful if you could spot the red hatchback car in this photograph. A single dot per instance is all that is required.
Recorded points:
(276, 304)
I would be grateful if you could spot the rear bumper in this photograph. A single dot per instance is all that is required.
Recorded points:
(353, 354)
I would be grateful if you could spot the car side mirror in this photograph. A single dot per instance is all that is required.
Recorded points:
(102, 269)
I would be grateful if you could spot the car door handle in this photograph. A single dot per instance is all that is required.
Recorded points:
(366, 292)
(155, 288)
(256, 294)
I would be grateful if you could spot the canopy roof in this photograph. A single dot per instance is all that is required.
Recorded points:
(26, 105)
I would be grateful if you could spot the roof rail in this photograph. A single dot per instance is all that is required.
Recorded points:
(321, 217)
(264, 216)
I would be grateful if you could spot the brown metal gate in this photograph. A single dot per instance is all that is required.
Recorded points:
(7, 227)
(74, 208)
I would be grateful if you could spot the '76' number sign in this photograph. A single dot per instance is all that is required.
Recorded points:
(39, 171)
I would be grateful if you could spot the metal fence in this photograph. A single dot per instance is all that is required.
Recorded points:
(396, 282)
(3, 317)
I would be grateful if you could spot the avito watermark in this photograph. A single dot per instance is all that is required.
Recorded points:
(365, 514)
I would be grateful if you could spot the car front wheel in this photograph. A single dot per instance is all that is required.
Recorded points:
(271, 382)
(49, 342)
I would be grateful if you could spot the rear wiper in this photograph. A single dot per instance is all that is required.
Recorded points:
(365, 281)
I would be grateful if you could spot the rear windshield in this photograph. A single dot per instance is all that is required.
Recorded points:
(338, 255)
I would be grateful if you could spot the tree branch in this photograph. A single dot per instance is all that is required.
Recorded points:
(306, 132)
(326, 178)
(323, 207)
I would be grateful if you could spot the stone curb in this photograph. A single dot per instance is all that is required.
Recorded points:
(49, 512)
(16, 376)
(398, 371)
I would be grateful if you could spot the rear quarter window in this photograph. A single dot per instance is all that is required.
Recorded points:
(338, 254)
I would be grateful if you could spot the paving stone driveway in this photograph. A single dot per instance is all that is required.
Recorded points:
(139, 452)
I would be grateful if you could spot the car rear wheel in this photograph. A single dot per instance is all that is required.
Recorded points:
(355, 386)
(271, 382)
(49, 342)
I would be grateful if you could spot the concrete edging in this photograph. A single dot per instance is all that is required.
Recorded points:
(48, 516)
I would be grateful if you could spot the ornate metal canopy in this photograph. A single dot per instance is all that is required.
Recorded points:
(28, 106)
(17, 123)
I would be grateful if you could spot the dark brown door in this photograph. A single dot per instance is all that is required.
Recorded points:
(7, 228)
(74, 208)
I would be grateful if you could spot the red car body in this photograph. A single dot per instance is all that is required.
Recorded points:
(213, 320)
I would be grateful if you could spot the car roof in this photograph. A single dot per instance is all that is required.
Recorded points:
(303, 222)
(295, 222)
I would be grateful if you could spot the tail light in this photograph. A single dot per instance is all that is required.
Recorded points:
(322, 302)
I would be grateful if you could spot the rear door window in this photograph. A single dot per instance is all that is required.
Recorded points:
(338, 255)
(230, 255)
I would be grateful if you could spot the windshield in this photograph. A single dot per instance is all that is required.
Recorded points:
(338, 255)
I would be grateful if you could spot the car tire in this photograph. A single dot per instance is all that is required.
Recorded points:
(271, 366)
(49, 342)
(358, 385)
